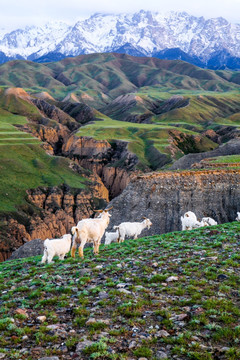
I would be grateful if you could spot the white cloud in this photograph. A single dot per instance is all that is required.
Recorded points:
(16, 13)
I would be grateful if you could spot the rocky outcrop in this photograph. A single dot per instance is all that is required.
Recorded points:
(51, 212)
(31, 248)
(114, 164)
(189, 143)
(82, 113)
(185, 162)
(164, 197)
(53, 112)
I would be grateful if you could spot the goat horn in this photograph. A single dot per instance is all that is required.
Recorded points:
(109, 208)
(144, 217)
(98, 211)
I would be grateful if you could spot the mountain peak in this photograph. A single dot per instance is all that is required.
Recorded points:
(144, 31)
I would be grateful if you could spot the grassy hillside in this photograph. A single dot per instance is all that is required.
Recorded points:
(169, 296)
(227, 162)
(25, 165)
(112, 75)
(226, 159)
(145, 139)
(205, 111)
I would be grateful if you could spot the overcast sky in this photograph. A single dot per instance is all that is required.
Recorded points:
(18, 13)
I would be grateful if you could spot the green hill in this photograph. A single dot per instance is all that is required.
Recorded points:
(174, 296)
(171, 103)
(112, 75)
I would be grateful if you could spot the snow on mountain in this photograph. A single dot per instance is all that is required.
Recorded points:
(33, 39)
(146, 32)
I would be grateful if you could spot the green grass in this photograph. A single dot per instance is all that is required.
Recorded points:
(225, 159)
(209, 304)
(112, 75)
(26, 166)
(142, 138)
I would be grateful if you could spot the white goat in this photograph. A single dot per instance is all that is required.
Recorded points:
(90, 230)
(207, 221)
(190, 221)
(111, 237)
(238, 216)
(59, 247)
(132, 229)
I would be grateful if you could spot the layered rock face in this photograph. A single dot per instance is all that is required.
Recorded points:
(115, 165)
(165, 197)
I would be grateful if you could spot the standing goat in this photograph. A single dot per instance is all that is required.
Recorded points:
(90, 230)
(238, 216)
(111, 237)
(59, 247)
(132, 229)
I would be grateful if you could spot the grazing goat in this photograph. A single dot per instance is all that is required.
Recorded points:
(111, 237)
(207, 221)
(90, 230)
(131, 229)
(238, 216)
(59, 247)
(190, 221)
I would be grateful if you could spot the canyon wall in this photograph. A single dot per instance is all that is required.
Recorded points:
(114, 164)
(164, 197)
(49, 213)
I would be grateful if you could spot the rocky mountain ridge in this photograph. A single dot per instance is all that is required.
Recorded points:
(143, 33)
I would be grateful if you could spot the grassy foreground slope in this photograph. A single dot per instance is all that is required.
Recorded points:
(169, 296)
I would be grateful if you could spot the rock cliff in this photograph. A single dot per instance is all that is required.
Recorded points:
(185, 162)
(113, 163)
(164, 197)
(51, 212)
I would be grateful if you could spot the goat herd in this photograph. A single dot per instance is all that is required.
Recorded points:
(92, 230)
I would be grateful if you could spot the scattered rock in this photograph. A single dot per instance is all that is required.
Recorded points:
(162, 333)
(103, 294)
(180, 317)
(124, 291)
(172, 278)
(91, 321)
(21, 312)
(41, 318)
(83, 344)
(222, 277)
(98, 267)
(161, 355)
(31, 248)
(132, 344)
(224, 349)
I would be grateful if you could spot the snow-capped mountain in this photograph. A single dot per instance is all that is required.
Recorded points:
(144, 33)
